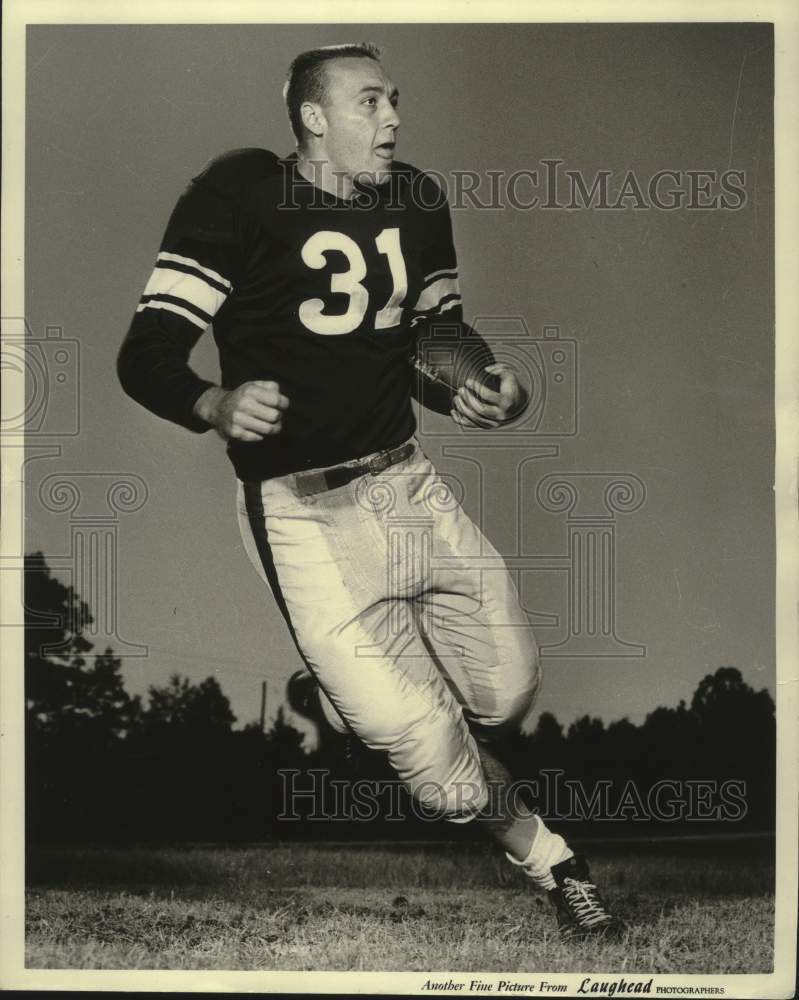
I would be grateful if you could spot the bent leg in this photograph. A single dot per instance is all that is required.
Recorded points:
(476, 630)
(364, 649)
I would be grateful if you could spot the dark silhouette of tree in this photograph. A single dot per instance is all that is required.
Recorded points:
(62, 689)
(284, 741)
(260, 790)
(737, 729)
(670, 721)
(585, 739)
(622, 740)
(100, 764)
(78, 715)
(669, 741)
(724, 702)
(548, 731)
(181, 705)
(54, 614)
(181, 762)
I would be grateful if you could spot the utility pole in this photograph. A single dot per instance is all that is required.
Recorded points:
(263, 706)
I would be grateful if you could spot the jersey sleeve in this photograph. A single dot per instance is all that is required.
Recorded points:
(440, 295)
(447, 350)
(192, 278)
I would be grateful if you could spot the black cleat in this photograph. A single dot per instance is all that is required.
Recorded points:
(579, 906)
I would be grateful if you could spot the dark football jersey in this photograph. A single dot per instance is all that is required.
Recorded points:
(315, 293)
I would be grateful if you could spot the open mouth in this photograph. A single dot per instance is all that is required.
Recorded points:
(385, 150)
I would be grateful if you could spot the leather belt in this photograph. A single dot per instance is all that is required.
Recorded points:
(340, 475)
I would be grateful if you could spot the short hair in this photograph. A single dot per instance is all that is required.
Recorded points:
(307, 80)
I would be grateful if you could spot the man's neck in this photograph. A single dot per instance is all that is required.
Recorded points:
(320, 172)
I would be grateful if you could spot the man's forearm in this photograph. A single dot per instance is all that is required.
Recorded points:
(153, 369)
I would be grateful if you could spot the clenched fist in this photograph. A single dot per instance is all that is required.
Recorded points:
(248, 413)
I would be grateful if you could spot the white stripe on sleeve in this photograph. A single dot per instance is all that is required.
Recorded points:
(214, 275)
(432, 295)
(175, 308)
(451, 272)
(189, 287)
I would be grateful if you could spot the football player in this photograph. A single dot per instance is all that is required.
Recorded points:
(320, 271)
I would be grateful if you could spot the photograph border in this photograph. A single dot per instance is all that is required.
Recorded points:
(17, 14)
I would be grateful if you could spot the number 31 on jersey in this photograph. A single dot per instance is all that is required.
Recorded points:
(350, 282)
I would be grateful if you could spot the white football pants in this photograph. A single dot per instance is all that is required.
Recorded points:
(405, 614)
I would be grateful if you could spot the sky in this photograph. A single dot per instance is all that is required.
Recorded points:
(666, 316)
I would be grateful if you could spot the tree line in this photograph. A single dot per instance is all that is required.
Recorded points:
(105, 766)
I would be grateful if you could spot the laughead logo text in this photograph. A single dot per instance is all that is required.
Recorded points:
(610, 988)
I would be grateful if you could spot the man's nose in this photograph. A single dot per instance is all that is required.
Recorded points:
(391, 118)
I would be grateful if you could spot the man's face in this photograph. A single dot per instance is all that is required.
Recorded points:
(360, 118)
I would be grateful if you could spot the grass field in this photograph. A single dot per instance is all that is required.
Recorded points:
(700, 909)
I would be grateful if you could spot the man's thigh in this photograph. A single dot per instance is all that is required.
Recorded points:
(472, 619)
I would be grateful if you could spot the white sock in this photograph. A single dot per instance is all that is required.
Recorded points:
(548, 849)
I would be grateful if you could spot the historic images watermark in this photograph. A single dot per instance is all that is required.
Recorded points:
(548, 185)
(49, 368)
(317, 795)
(42, 418)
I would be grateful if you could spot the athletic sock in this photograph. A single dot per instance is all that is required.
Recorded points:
(548, 849)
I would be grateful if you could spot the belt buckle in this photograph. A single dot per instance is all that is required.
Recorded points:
(379, 463)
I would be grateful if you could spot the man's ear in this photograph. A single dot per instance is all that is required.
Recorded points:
(313, 118)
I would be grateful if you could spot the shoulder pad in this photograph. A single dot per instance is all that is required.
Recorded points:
(232, 172)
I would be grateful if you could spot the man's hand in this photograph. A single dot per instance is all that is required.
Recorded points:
(248, 413)
(478, 406)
